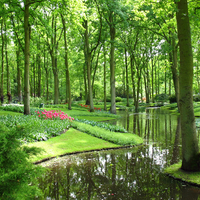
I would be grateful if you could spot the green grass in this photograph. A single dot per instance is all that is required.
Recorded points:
(189, 177)
(71, 141)
(115, 137)
(2, 112)
(96, 118)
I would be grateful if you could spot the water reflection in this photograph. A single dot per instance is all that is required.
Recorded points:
(134, 173)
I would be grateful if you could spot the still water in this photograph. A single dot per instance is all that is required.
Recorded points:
(130, 173)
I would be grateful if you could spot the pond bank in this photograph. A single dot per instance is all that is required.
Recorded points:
(75, 141)
(174, 171)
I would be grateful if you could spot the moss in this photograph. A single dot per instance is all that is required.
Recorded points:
(189, 177)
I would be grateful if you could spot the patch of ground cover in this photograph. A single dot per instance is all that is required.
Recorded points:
(189, 177)
(3, 112)
(69, 142)
(18, 177)
(104, 125)
(36, 128)
(96, 118)
(81, 113)
(115, 137)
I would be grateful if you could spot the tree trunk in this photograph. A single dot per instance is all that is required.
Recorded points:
(34, 77)
(7, 64)
(39, 72)
(53, 53)
(175, 76)
(68, 87)
(88, 57)
(2, 57)
(104, 78)
(112, 65)
(127, 83)
(19, 84)
(132, 78)
(26, 54)
(190, 159)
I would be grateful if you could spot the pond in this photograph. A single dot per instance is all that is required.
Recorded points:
(129, 173)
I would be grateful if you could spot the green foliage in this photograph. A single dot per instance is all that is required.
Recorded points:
(172, 99)
(196, 97)
(18, 177)
(19, 109)
(103, 125)
(118, 99)
(117, 138)
(36, 101)
(35, 128)
(161, 97)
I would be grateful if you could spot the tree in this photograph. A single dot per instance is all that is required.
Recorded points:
(27, 55)
(190, 160)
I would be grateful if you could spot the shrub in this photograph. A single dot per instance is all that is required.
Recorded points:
(172, 99)
(104, 125)
(35, 128)
(117, 138)
(18, 177)
(36, 101)
(19, 109)
(196, 97)
(161, 97)
(118, 99)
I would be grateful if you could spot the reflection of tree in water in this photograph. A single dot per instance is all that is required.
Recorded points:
(176, 149)
(120, 174)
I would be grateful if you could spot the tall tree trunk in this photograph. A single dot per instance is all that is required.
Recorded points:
(148, 86)
(53, 53)
(175, 76)
(39, 72)
(34, 76)
(26, 54)
(85, 83)
(68, 87)
(47, 75)
(190, 159)
(7, 66)
(112, 65)
(152, 79)
(88, 57)
(132, 78)
(2, 57)
(95, 69)
(19, 84)
(104, 78)
(127, 83)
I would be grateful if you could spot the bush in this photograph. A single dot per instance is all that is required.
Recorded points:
(161, 97)
(104, 125)
(118, 99)
(36, 129)
(36, 101)
(108, 98)
(196, 97)
(172, 99)
(19, 109)
(18, 177)
(116, 138)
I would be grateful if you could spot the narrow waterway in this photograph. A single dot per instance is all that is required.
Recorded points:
(133, 173)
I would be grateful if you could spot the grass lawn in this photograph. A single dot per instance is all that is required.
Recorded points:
(96, 118)
(71, 141)
(177, 173)
(3, 112)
